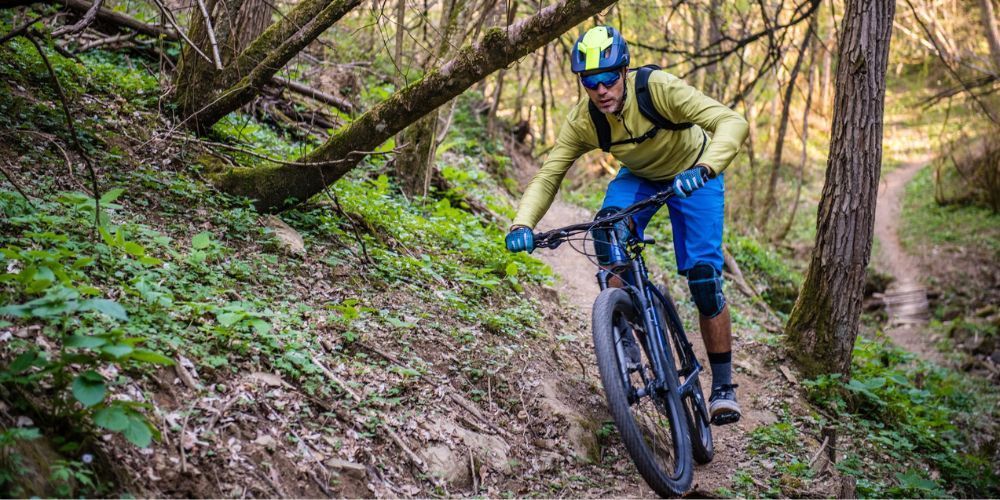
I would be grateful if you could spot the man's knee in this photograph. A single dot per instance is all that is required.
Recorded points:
(706, 289)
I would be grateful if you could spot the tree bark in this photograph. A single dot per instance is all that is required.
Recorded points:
(269, 187)
(252, 20)
(824, 322)
(415, 162)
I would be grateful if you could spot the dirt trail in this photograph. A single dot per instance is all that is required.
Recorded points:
(906, 297)
(578, 288)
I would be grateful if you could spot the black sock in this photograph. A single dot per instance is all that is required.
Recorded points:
(722, 368)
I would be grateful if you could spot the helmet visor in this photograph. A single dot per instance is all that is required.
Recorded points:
(608, 78)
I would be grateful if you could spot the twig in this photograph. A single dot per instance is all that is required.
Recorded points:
(180, 442)
(69, 163)
(357, 234)
(86, 20)
(73, 132)
(947, 66)
(315, 94)
(169, 16)
(393, 435)
(105, 41)
(333, 376)
(119, 19)
(826, 439)
(13, 182)
(211, 34)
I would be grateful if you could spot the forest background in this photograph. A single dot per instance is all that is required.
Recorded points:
(164, 334)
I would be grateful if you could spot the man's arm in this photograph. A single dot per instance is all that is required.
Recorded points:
(681, 102)
(541, 191)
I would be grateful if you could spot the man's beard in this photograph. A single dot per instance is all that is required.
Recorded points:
(621, 103)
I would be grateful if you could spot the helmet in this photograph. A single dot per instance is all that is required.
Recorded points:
(600, 48)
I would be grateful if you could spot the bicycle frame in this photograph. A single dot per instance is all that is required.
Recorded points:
(645, 294)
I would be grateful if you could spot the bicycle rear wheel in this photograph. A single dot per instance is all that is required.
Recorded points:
(651, 425)
(702, 446)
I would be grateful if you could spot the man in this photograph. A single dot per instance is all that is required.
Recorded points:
(679, 154)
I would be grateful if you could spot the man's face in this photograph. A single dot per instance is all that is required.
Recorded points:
(609, 99)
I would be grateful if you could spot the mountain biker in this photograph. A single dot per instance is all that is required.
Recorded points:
(683, 157)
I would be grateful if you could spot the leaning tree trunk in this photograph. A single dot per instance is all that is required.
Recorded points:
(824, 322)
(271, 186)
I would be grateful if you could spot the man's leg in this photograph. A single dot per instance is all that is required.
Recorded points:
(697, 223)
(624, 190)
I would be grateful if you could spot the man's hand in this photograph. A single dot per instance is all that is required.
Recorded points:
(690, 180)
(520, 239)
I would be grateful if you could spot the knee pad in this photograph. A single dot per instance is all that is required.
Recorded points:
(706, 289)
(608, 254)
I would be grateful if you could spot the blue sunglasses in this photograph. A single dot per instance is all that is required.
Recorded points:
(608, 78)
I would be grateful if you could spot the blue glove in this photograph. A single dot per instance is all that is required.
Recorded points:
(520, 239)
(690, 180)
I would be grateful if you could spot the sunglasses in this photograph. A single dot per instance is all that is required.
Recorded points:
(608, 78)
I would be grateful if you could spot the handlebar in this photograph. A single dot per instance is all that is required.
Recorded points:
(555, 237)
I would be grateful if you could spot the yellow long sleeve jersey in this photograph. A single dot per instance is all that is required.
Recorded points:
(660, 158)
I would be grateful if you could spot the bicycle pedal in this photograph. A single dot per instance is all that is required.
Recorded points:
(726, 418)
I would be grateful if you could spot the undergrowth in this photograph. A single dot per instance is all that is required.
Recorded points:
(918, 428)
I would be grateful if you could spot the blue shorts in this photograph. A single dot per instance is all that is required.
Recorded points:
(696, 220)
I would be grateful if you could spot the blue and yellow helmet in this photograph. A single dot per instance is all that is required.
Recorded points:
(600, 48)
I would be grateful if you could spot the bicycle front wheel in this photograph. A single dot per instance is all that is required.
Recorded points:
(652, 424)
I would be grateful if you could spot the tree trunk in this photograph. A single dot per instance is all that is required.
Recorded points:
(206, 96)
(779, 145)
(415, 162)
(271, 186)
(824, 322)
(698, 30)
(992, 34)
(716, 81)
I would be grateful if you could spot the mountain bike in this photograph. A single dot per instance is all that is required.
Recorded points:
(653, 392)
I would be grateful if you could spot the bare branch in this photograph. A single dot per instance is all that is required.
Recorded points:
(947, 65)
(72, 129)
(120, 19)
(86, 20)
(13, 182)
(211, 35)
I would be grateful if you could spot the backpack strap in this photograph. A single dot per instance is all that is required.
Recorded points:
(601, 125)
(645, 100)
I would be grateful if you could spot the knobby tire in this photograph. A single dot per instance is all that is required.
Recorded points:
(611, 307)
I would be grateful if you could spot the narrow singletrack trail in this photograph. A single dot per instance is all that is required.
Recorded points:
(906, 297)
